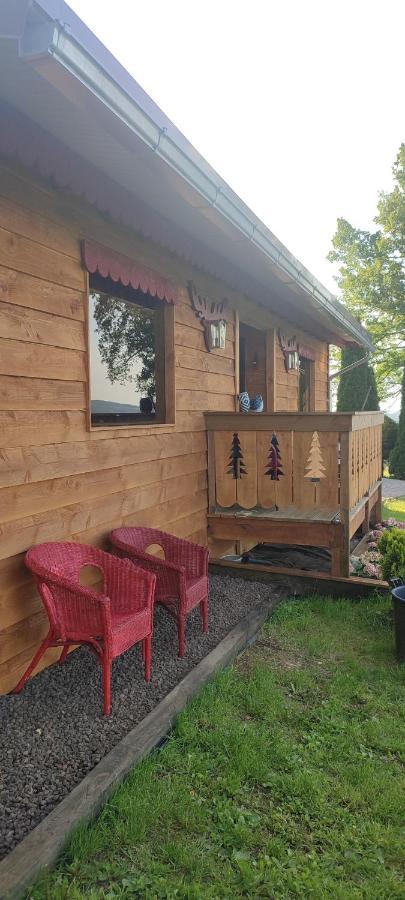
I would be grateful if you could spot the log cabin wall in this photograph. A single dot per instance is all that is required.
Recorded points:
(287, 382)
(59, 480)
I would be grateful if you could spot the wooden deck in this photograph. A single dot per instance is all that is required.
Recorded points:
(289, 512)
(300, 478)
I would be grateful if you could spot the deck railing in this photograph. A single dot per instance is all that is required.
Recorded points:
(312, 465)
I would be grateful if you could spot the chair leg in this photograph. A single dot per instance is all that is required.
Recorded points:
(204, 613)
(64, 654)
(33, 664)
(181, 630)
(106, 663)
(147, 655)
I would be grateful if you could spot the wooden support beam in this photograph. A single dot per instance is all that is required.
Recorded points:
(271, 377)
(312, 386)
(237, 362)
(284, 421)
(345, 484)
(376, 510)
(276, 531)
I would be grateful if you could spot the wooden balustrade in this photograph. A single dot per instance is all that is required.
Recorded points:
(314, 467)
(365, 461)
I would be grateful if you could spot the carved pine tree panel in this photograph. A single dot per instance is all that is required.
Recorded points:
(308, 494)
(246, 487)
(271, 493)
(225, 484)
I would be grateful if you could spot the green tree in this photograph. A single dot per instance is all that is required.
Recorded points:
(372, 280)
(389, 436)
(126, 341)
(357, 389)
(397, 458)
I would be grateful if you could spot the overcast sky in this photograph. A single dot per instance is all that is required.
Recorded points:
(298, 105)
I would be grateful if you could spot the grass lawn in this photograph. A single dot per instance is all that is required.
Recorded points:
(283, 779)
(394, 509)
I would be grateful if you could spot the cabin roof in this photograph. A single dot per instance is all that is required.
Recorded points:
(62, 81)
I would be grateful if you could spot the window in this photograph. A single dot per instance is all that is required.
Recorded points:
(131, 355)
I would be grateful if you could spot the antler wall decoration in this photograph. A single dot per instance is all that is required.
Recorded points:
(289, 347)
(211, 313)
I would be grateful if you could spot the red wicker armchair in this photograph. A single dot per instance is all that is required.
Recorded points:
(181, 577)
(109, 622)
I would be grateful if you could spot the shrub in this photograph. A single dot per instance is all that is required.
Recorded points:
(357, 389)
(392, 547)
(397, 457)
(389, 436)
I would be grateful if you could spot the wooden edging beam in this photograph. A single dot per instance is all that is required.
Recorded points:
(299, 582)
(41, 848)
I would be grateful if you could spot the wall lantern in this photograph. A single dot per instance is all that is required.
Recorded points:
(211, 313)
(289, 347)
(215, 335)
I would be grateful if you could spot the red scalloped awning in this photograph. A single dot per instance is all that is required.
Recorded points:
(118, 267)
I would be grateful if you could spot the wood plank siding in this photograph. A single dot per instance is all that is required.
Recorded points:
(59, 479)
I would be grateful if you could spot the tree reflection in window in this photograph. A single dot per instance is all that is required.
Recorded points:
(126, 341)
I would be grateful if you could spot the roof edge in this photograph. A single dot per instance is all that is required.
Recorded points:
(71, 52)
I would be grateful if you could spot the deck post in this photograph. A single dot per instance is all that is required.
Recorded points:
(345, 501)
(271, 370)
(337, 532)
(237, 360)
(212, 480)
(376, 512)
(365, 528)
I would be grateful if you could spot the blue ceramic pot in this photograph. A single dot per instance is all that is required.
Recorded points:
(256, 403)
(244, 401)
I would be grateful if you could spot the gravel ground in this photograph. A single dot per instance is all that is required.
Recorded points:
(54, 732)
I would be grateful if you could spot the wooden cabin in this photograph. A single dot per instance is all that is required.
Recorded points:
(138, 297)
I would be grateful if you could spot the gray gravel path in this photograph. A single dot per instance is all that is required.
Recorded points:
(54, 732)
(393, 487)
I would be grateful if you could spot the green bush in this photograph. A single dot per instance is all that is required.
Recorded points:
(357, 389)
(397, 458)
(392, 547)
(389, 436)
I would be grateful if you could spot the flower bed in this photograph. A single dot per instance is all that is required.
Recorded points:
(368, 565)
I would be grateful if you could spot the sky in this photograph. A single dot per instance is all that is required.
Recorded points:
(298, 105)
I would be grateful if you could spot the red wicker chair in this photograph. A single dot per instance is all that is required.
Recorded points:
(181, 577)
(109, 623)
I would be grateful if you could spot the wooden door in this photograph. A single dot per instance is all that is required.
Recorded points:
(252, 361)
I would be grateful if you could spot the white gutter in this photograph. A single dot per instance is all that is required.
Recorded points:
(53, 38)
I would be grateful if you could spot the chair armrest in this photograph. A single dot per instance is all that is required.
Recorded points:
(193, 557)
(130, 587)
(78, 609)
